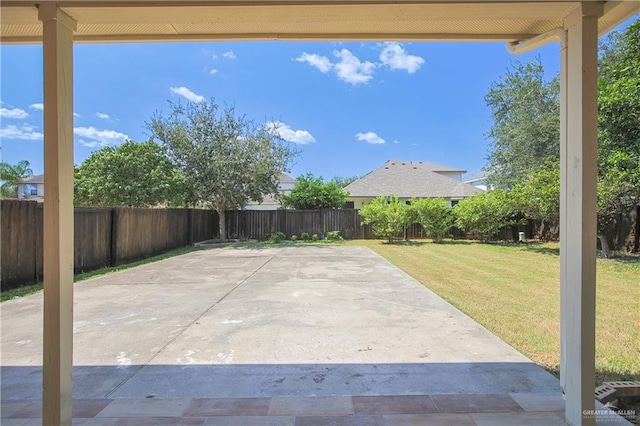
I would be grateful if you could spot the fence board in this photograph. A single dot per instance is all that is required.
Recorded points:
(19, 233)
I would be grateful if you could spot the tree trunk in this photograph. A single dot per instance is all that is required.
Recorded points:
(606, 253)
(223, 224)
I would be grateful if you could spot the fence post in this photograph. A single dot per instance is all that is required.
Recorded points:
(114, 237)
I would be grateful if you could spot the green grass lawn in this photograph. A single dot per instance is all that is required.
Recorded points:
(514, 291)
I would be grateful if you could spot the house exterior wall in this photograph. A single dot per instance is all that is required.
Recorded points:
(39, 189)
(452, 175)
(480, 184)
(286, 186)
(263, 206)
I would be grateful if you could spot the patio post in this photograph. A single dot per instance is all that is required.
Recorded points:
(57, 40)
(578, 197)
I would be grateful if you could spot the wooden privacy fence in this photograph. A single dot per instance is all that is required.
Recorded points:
(260, 224)
(113, 236)
(102, 237)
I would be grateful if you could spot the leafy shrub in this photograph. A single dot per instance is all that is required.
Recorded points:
(314, 237)
(484, 214)
(304, 236)
(294, 238)
(333, 236)
(388, 217)
(276, 237)
(434, 215)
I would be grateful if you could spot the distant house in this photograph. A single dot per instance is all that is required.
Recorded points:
(31, 188)
(270, 201)
(407, 180)
(477, 179)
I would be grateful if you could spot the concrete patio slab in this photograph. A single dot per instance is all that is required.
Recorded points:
(274, 321)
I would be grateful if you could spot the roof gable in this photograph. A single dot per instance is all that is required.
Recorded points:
(33, 179)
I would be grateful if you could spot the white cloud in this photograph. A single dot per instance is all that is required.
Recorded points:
(351, 69)
(40, 107)
(102, 115)
(213, 71)
(229, 55)
(24, 132)
(98, 137)
(13, 113)
(214, 56)
(317, 61)
(395, 57)
(395, 141)
(183, 91)
(370, 137)
(285, 131)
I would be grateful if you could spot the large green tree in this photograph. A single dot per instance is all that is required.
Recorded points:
(342, 181)
(311, 193)
(619, 129)
(131, 174)
(227, 159)
(526, 123)
(10, 175)
(525, 134)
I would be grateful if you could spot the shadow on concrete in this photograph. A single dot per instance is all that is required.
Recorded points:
(250, 380)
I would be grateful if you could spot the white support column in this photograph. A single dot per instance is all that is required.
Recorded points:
(58, 30)
(578, 211)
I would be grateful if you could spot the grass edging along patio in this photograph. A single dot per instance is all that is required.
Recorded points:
(34, 288)
(514, 291)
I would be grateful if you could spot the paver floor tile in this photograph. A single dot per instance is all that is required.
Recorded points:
(339, 421)
(428, 419)
(250, 421)
(145, 408)
(476, 403)
(396, 404)
(311, 406)
(517, 419)
(539, 401)
(209, 407)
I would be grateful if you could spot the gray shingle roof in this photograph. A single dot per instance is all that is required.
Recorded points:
(33, 179)
(408, 179)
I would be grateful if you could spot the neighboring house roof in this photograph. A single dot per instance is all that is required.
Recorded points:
(408, 179)
(284, 178)
(33, 179)
(474, 176)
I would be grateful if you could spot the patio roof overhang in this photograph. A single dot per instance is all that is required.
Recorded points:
(522, 24)
(197, 20)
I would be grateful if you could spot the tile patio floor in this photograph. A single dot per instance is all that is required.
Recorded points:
(459, 410)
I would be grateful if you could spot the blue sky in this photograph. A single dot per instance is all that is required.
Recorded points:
(349, 106)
